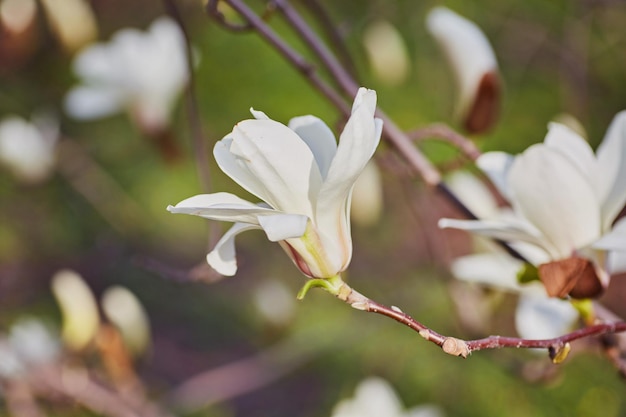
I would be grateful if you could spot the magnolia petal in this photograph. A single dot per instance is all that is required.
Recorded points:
(357, 144)
(279, 227)
(539, 317)
(561, 138)
(553, 195)
(617, 262)
(507, 230)
(612, 167)
(87, 103)
(615, 239)
(318, 137)
(259, 115)
(497, 165)
(279, 159)
(239, 172)
(222, 258)
(474, 194)
(230, 208)
(494, 269)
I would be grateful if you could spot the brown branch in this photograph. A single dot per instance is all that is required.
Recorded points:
(446, 134)
(460, 347)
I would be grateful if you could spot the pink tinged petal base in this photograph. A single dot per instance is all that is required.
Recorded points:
(552, 194)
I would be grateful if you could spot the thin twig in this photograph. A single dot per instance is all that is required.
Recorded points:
(193, 114)
(446, 134)
(336, 38)
(460, 347)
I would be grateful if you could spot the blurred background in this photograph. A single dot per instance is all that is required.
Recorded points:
(243, 346)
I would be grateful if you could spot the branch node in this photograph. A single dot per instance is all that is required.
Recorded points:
(455, 347)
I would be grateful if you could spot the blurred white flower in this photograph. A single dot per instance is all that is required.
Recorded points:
(28, 149)
(305, 179)
(374, 397)
(81, 320)
(474, 64)
(122, 308)
(565, 199)
(367, 196)
(141, 72)
(537, 316)
(275, 302)
(386, 52)
(29, 343)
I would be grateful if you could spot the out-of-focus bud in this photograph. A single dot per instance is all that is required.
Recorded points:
(367, 196)
(386, 52)
(126, 313)
(28, 149)
(275, 302)
(72, 21)
(78, 307)
(18, 32)
(475, 67)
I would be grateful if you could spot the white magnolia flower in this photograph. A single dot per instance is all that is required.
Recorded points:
(474, 64)
(565, 199)
(142, 72)
(537, 316)
(28, 149)
(374, 397)
(305, 180)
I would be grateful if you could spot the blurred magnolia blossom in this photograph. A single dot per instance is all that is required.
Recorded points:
(81, 319)
(386, 52)
(122, 308)
(537, 316)
(474, 64)
(374, 397)
(30, 343)
(565, 202)
(275, 302)
(16, 16)
(28, 149)
(140, 72)
(367, 196)
(72, 21)
(305, 180)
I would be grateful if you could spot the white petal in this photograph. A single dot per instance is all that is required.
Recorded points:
(507, 230)
(87, 103)
(612, 164)
(259, 115)
(230, 208)
(495, 269)
(570, 144)
(357, 144)
(552, 194)
(474, 194)
(617, 262)
(281, 161)
(540, 317)
(615, 239)
(497, 165)
(283, 226)
(222, 258)
(318, 136)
